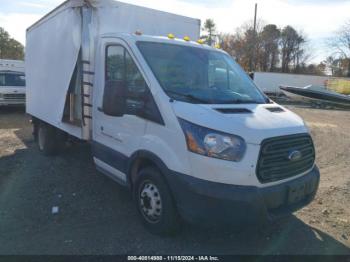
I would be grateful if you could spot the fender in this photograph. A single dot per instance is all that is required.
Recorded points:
(148, 156)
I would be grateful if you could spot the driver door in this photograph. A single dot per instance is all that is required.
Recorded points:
(117, 137)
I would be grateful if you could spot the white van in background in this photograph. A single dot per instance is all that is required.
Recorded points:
(12, 82)
(177, 122)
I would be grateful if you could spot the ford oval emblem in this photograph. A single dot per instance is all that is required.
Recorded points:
(294, 155)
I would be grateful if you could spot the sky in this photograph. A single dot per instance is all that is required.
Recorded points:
(317, 19)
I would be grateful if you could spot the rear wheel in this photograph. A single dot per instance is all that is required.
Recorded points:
(50, 139)
(154, 203)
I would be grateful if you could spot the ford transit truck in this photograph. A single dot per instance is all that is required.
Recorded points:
(176, 121)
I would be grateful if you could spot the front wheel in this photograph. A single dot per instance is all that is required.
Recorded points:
(154, 203)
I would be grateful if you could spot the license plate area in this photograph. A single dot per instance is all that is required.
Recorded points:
(297, 193)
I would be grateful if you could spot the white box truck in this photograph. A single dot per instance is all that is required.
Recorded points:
(12, 82)
(176, 121)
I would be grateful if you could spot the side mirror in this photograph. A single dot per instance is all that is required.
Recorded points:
(114, 98)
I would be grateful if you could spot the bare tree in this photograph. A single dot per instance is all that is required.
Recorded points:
(250, 44)
(340, 45)
(234, 44)
(9, 47)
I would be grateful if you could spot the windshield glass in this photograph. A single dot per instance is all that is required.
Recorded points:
(12, 79)
(197, 75)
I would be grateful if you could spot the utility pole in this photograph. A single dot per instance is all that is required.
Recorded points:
(256, 9)
(252, 65)
(252, 59)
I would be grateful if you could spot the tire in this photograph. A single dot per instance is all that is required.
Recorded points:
(35, 131)
(50, 140)
(155, 203)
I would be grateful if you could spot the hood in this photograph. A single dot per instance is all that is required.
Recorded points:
(253, 122)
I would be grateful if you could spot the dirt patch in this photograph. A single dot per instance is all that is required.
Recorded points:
(15, 130)
(330, 211)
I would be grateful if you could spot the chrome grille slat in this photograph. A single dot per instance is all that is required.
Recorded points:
(267, 160)
(285, 167)
(285, 164)
(273, 161)
(14, 96)
(290, 145)
(281, 157)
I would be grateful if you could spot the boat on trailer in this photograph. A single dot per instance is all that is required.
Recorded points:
(316, 93)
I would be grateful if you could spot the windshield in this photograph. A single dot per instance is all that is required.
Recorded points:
(12, 79)
(197, 75)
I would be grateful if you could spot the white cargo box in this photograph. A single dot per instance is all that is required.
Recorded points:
(57, 41)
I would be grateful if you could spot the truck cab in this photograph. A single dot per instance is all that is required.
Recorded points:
(226, 151)
(12, 83)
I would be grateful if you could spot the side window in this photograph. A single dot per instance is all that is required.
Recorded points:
(124, 83)
(115, 63)
(126, 91)
(14, 80)
(121, 67)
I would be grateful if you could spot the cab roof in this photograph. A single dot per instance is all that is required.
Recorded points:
(161, 39)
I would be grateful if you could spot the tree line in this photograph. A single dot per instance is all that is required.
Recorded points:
(268, 48)
(273, 49)
(9, 47)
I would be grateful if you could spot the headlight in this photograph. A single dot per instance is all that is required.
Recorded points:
(211, 143)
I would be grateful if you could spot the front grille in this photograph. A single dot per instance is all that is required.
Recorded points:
(274, 160)
(14, 96)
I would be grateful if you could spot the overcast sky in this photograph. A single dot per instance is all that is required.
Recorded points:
(318, 19)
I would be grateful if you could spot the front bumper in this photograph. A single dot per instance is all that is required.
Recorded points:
(12, 96)
(12, 101)
(209, 203)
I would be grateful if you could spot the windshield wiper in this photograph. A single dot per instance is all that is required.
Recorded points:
(193, 98)
(188, 96)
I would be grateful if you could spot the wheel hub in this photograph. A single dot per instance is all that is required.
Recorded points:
(150, 202)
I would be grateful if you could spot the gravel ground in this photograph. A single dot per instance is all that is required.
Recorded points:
(97, 216)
